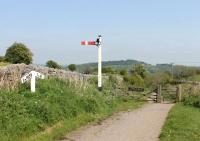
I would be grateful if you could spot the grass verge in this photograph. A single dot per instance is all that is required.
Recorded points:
(182, 124)
(58, 107)
(60, 130)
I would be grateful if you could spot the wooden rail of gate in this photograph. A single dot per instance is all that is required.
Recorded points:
(178, 92)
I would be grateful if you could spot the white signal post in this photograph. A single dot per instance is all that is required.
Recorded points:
(98, 43)
(99, 63)
(32, 76)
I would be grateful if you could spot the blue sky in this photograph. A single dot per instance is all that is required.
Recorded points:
(155, 31)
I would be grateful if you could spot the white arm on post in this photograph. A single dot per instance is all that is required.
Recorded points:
(32, 77)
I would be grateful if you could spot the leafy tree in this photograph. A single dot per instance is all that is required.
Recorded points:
(72, 67)
(19, 53)
(152, 80)
(181, 72)
(88, 70)
(135, 80)
(123, 72)
(2, 58)
(53, 64)
(108, 70)
(139, 69)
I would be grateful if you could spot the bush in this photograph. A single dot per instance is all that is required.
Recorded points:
(152, 80)
(19, 53)
(123, 72)
(2, 58)
(108, 70)
(181, 72)
(72, 67)
(139, 69)
(135, 80)
(88, 70)
(192, 100)
(53, 64)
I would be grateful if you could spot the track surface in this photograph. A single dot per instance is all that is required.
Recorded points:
(143, 124)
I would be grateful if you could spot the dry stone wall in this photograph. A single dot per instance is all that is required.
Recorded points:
(10, 75)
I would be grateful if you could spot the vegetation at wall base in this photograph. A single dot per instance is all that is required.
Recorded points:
(58, 107)
(182, 124)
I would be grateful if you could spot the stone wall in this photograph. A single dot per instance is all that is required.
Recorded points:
(10, 75)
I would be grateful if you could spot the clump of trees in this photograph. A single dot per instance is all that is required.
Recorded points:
(18, 53)
(108, 70)
(2, 58)
(53, 64)
(72, 67)
(88, 70)
(158, 78)
(136, 76)
(139, 69)
(123, 72)
(180, 72)
(105, 70)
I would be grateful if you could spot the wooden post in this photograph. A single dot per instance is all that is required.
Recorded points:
(159, 99)
(179, 94)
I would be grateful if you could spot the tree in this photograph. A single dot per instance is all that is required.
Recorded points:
(19, 53)
(159, 78)
(72, 67)
(107, 70)
(123, 72)
(88, 70)
(135, 80)
(181, 72)
(53, 64)
(139, 69)
(2, 58)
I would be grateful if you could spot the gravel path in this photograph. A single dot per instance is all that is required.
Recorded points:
(143, 124)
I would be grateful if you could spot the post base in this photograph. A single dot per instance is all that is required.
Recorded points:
(100, 89)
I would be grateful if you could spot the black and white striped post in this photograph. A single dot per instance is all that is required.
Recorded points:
(98, 43)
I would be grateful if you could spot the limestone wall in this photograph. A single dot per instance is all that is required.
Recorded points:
(10, 75)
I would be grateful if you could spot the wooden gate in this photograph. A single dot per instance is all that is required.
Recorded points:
(168, 93)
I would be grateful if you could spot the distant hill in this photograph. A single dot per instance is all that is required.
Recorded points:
(125, 64)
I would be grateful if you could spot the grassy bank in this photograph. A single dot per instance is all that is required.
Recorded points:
(58, 107)
(183, 124)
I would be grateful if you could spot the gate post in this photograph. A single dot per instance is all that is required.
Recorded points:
(159, 99)
(179, 94)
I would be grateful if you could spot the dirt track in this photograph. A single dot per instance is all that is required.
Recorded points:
(143, 124)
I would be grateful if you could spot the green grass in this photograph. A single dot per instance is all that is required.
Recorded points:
(62, 128)
(57, 108)
(183, 124)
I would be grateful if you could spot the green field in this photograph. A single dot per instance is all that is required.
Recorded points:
(183, 124)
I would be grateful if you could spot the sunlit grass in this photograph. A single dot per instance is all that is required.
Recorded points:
(183, 124)
(56, 108)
